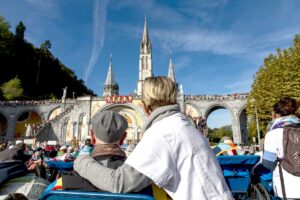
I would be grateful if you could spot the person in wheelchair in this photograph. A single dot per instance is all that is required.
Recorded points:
(108, 131)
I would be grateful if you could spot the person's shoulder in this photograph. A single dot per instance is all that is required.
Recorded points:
(174, 119)
(273, 134)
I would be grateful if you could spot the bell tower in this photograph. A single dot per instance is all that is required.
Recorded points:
(145, 61)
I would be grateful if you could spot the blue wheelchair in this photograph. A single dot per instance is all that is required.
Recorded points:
(237, 173)
(263, 180)
(237, 170)
(77, 195)
(50, 194)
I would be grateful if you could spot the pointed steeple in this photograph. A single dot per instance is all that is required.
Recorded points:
(171, 73)
(111, 87)
(145, 61)
(110, 78)
(145, 44)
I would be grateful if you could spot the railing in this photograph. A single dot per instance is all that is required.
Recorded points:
(29, 103)
(216, 97)
(39, 127)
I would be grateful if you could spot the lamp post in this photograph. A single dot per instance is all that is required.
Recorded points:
(257, 124)
(90, 114)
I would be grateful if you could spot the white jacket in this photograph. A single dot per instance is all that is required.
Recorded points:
(273, 145)
(179, 159)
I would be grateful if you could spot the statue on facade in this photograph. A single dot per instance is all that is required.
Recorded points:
(28, 132)
(180, 89)
(64, 93)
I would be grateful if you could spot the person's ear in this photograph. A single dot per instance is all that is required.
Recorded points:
(273, 114)
(123, 138)
(93, 138)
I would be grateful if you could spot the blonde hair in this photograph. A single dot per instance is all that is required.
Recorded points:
(159, 91)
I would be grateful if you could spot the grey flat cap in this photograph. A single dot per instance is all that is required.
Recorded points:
(109, 126)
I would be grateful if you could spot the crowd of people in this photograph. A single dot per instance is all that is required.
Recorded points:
(172, 155)
(28, 103)
(217, 97)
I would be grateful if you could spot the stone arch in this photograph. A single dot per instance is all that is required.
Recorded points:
(243, 124)
(30, 110)
(192, 110)
(54, 112)
(68, 126)
(217, 106)
(138, 110)
(134, 116)
(83, 127)
(30, 116)
(3, 125)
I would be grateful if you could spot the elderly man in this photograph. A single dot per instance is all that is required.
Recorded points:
(108, 130)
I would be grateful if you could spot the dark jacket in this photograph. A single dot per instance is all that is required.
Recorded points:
(78, 183)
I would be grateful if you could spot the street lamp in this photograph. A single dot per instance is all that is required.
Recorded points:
(257, 124)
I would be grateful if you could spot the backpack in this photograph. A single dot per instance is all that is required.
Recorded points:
(291, 149)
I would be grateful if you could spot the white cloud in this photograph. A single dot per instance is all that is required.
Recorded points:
(48, 9)
(181, 62)
(152, 9)
(240, 86)
(197, 40)
(205, 10)
(181, 30)
(100, 11)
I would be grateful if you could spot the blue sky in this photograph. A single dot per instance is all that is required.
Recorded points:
(217, 45)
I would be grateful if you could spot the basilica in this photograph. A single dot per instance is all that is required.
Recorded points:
(111, 88)
(67, 120)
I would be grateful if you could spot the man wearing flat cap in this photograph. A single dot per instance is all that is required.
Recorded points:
(108, 131)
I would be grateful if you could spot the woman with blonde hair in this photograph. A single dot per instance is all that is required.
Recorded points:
(172, 154)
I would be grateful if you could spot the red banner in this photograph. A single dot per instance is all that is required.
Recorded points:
(118, 99)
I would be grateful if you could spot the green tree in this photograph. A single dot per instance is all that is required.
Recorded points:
(12, 89)
(42, 74)
(279, 76)
(5, 34)
(44, 50)
(217, 133)
(4, 25)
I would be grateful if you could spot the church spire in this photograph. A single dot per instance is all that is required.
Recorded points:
(146, 43)
(145, 61)
(110, 78)
(111, 87)
(171, 73)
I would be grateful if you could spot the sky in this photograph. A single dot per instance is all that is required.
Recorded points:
(216, 45)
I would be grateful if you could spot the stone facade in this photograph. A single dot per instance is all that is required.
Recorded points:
(75, 122)
(68, 119)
